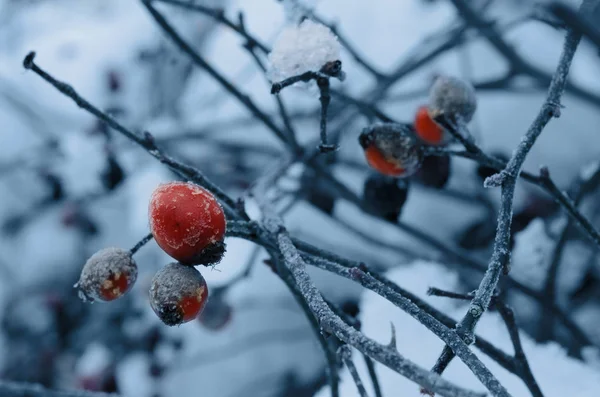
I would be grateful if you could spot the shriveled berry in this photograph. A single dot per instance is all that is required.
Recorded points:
(216, 314)
(188, 223)
(427, 129)
(453, 98)
(392, 149)
(385, 196)
(178, 294)
(435, 171)
(107, 275)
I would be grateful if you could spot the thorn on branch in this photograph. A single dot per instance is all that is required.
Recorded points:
(393, 345)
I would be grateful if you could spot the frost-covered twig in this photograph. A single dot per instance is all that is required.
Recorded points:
(460, 257)
(330, 69)
(518, 361)
(543, 180)
(14, 389)
(507, 180)
(274, 234)
(369, 279)
(345, 354)
(146, 140)
(447, 335)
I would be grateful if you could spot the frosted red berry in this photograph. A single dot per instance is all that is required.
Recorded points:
(392, 149)
(178, 294)
(188, 223)
(107, 275)
(427, 129)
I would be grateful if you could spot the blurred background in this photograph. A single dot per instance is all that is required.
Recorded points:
(70, 186)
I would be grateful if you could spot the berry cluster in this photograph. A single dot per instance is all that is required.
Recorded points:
(189, 225)
(396, 150)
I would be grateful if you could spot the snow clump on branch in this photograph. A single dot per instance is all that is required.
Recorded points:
(303, 48)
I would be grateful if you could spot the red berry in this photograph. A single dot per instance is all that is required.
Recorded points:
(427, 129)
(107, 275)
(188, 223)
(178, 294)
(391, 149)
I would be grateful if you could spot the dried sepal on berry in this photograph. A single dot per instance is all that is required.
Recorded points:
(178, 294)
(188, 223)
(107, 275)
(453, 98)
(385, 196)
(392, 149)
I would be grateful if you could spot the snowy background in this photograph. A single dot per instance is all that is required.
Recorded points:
(58, 206)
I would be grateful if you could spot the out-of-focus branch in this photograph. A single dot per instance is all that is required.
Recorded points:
(14, 389)
(517, 63)
(146, 141)
(579, 191)
(204, 65)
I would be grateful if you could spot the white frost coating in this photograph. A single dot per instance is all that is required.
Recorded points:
(302, 48)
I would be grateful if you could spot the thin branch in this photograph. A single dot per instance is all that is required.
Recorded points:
(520, 359)
(576, 21)
(373, 376)
(579, 191)
(330, 69)
(203, 64)
(346, 355)
(146, 141)
(14, 389)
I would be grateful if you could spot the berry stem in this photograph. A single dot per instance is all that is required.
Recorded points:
(141, 243)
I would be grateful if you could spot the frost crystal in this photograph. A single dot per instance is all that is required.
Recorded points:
(302, 48)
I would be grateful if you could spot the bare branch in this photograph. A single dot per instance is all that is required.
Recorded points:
(346, 355)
